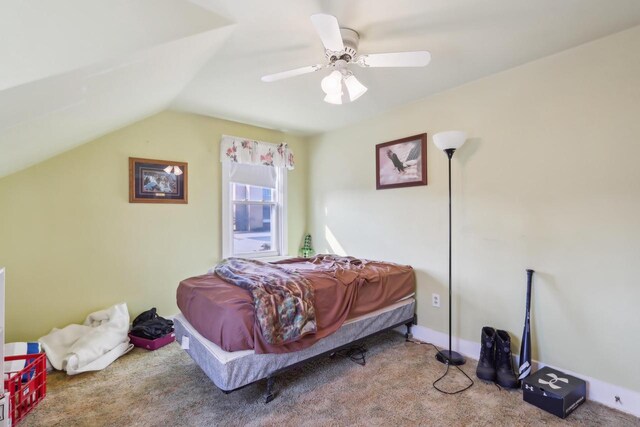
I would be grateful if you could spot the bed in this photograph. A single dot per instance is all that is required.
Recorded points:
(354, 299)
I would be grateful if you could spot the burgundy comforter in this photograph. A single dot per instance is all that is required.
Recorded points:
(344, 288)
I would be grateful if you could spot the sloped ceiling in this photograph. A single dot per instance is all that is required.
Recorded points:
(81, 68)
(73, 70)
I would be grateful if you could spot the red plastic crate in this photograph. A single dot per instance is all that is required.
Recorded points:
(26, 387)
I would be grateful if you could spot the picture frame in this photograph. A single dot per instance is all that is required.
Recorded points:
(157, 181)
(402, 162)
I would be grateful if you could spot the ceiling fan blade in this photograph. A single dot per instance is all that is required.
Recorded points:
(291, 73)
(329, 31)
(398, 59)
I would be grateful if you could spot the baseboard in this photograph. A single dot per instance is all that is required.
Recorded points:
(597, 390)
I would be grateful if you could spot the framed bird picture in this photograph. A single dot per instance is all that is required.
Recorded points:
(157, 181)
(402, 163)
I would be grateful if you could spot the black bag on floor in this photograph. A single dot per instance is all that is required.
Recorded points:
(150, 326)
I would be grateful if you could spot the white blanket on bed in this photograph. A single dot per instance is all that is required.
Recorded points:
(92, 346)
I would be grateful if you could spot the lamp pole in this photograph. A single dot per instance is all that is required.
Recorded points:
(450, 152)
(450, 357)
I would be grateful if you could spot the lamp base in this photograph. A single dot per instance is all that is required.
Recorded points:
(450, 357)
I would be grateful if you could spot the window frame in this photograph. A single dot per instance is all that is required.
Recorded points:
(280, 211)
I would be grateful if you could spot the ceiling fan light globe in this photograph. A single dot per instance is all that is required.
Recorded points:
(452, 139)
(333, 98)
(177, 171)
(332, 83)
(168, 169)
(354, 88)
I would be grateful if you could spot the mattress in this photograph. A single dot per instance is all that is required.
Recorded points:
(225, 314)
(232, 370)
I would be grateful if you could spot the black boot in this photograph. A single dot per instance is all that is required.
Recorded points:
(487, 362)
(504, 362)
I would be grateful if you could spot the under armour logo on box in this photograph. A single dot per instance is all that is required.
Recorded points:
(552, 382)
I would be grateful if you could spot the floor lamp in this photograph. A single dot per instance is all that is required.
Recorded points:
(449, 142)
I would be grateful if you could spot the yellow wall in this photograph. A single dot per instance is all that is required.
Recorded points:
(72, 243)
(549, 180)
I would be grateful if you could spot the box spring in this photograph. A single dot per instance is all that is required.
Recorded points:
(232, 370)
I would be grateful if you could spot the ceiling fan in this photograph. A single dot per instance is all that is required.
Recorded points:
(341, 50)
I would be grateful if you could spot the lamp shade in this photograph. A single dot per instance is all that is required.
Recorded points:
(341, 87)
(452, 139)
(354, 87)
(331, 84)
(333, 98)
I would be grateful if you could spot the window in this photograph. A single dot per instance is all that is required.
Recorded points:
(254, 210)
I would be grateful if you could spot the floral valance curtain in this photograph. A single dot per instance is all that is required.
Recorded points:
(247, 151)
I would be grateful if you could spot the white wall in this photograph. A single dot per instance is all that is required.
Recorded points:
(548, 180)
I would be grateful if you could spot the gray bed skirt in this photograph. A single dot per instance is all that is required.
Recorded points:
(232, 370)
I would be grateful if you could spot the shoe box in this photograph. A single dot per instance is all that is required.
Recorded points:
(554, 391)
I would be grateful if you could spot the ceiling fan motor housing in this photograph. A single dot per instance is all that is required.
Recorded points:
(350, 39)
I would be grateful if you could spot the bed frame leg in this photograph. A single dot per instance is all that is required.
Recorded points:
(408, 336)
(270, 393)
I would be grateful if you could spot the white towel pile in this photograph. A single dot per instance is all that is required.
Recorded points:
(92, 346)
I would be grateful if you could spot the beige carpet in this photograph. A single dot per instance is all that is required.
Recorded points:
(166, 388)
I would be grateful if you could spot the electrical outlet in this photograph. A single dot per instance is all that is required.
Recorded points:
(435, 300)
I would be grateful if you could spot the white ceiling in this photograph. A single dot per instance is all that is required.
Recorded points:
(468, 39)
(73, 70)
(79, 69)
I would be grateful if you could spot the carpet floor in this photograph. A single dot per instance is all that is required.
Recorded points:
(166, 388)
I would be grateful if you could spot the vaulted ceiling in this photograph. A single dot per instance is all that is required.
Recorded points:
(72, 70)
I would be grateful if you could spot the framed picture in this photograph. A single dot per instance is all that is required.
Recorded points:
(402, 163)
(157, 181)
